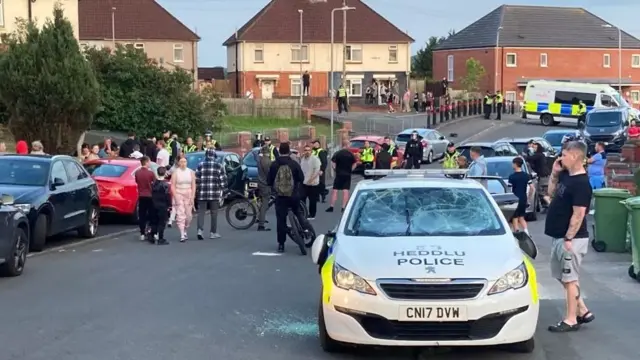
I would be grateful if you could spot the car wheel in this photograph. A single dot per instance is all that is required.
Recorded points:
(90, 228)
(326, 342)
(18, 257)
(524, 347)
(546, 119)
(39, 236)
(430, 157)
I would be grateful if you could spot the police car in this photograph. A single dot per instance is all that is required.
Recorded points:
(418, 260)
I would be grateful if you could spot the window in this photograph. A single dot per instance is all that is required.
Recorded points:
(543, 60)
(510, 96)
(128, 45)
(353, 53)
(296, 87)
(450, 68)
(573, 98)
(58, 172)
(105, 170)
(139, 46)
(606, 60)
(24, 172)
(393, 53)
(231, 161)
(635, 96)
(354, 87)
(635, 60)
(512, 60)
(73, 172)
(178, 53)
(258, 53)
(299, 53)
(607, 101)
(1, 13)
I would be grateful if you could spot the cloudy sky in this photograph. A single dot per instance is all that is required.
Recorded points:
(216, 20)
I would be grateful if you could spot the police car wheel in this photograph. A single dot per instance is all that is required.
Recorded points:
(524, 347)
(326, 342)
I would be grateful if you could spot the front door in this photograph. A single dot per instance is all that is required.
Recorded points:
(60, 198)
(267, 89)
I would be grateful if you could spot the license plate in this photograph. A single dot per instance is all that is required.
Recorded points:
(433, 313)
(253, 185)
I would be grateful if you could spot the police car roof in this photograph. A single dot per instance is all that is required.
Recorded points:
(417, 181)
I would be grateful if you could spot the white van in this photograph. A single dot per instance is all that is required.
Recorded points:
(553, 102)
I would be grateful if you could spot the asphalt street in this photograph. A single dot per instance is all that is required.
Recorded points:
(235, 299)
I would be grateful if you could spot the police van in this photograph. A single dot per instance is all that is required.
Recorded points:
(422, 260)
(553, 102)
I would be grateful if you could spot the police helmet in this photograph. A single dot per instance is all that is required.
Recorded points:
(208, 133)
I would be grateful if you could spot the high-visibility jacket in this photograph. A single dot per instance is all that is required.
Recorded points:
(450, 160)
(342, 92)
(316, 152)
(210, 143)
(190, 148)
(582, 108)
(272, 153)
(499, 99)
(488, 100)
(366, 155)
(168, 147)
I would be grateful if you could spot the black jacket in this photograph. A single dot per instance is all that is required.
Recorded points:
(126, 149)
(538, 163)
(383, 160)
(296, 171)
(324, 161)
(413, 149)
(149, 149)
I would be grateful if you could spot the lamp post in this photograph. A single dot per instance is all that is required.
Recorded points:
(619, 55)
(300, 11)
(498, 59)
(331, 84)
(113, 28)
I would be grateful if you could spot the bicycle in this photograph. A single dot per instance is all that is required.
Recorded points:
(304, 238)
(244, 208)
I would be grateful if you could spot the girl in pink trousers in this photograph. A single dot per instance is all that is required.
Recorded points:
(183, 189)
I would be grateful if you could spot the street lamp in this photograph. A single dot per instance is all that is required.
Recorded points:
(619, 55)
(498, 59)
(300, 11)
(331, 86)
(113, 28)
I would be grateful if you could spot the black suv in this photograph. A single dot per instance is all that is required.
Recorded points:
(56, 193)
(609, 126)
(14, 238)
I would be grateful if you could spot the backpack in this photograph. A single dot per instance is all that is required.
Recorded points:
(284, 181)
(159, 193)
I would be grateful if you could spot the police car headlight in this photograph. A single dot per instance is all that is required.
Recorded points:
(347, 280)
(23, 207)
(514, 279)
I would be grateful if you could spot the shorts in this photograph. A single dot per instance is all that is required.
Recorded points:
(566, 266)
(521, 209)
(342, 182)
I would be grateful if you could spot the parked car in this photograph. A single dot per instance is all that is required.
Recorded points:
(548, 150)
(250, 160)
(502, 166)
(14, 238)
(435, 144)
(117, 185)
(609, 126)
(489, 149)
(55, 192)
(554, 138)
(237, 173)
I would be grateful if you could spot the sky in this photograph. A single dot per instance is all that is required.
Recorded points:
(216, 20)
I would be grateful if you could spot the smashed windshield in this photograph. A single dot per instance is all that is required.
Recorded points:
(423, 212)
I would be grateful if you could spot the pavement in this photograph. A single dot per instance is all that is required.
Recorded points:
(234, 298)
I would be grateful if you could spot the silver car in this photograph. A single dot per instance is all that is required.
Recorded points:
(435, 144)
(501, 166)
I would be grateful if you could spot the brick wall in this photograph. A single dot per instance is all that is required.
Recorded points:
(621, 168)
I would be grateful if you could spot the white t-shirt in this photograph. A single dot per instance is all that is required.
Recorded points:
(162, 159)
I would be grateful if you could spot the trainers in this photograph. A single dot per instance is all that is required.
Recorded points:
(162, 242)
(143, 237)
(330, 209)
(200, 236)
(262, 228)
(214, 236)
(280, 248)
(311, 218)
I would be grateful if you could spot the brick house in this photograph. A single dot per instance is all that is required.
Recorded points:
(40, 10)
(268, 56)
(516, 44)
(143, 24)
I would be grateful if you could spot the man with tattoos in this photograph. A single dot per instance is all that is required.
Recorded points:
(570, 194)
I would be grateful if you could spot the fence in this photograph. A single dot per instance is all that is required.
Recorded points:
(273, 108)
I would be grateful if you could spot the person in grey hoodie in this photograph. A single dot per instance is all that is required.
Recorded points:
(310, 165)
(264, 164)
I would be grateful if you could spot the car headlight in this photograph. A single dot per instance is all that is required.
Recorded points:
(585, 133)
(23, 207)
(618, 133)
(347, 280)
(514, 279)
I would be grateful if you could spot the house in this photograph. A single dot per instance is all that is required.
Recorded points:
(213, 77)
(266, 56)
(142, 24)
(517, 43)
(40, 11)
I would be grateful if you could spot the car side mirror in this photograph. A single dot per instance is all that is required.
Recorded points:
(526, 244)
(441, 137)
(57, 182)
(453, 135)
(534, 175)
(626, 123)
(6, 199)
(320, 248)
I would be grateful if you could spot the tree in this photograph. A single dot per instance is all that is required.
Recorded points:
(422, 62)
(474, 74)
(140, 96)
(50, 92)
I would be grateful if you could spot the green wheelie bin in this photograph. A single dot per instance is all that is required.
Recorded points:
(610, 220)
(633, 205)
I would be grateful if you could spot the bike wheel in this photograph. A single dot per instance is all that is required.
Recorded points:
(241, 214)
(305, 210)
(309, 236)
(296, 233)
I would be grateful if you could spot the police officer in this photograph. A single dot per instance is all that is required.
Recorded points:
(450, 158)
(582, 113)
(273, 152)
(391, 149)
(321, 153)
(257, 142)
(170, 145)
(367, 157)
(210, 142)
(499, 100)
(487, 103)
(413, 152)
(190, 146)
(342, 99)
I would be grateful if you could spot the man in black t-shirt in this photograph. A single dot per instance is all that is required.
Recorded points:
(519, 182)
(566, 224)
(343, 163)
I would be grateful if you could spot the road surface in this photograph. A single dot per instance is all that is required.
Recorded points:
(233, 299)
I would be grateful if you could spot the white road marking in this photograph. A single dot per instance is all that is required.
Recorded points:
(260, 253)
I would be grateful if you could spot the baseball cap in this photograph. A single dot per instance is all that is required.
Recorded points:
(267, 138)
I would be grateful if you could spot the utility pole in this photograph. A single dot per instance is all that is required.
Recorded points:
(113, 28)
(344, 43)
(301, 75)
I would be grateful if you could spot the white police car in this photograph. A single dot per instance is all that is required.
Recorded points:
(420, 261)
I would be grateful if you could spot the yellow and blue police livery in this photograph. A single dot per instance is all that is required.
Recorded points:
(408, 280)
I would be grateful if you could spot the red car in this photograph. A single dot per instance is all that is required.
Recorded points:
(375, 141)
(116, 184)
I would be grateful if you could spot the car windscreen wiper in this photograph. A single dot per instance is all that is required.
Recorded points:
(407, 214)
